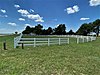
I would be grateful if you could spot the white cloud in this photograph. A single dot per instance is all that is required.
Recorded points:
(23, 12)
(36, 18)
(71, 10)
(21, 19)
(76, 8)
(3, 11)
(84, 19)
(9, 31)
(12, 24)
(39, 20)
(29, 25)
(57, 25)
(4, 16)
(6, 31)
(94, 2)
(16, 6)
(31, 10)
(31, 16)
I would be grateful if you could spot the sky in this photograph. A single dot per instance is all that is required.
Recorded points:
(15, 15)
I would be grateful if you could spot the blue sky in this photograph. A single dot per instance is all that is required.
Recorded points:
(16, 14)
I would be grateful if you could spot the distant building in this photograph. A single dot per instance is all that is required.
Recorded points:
(32, 34)
(92, 34)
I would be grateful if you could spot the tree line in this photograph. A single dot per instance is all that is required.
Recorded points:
(38, 30)
(84, 29)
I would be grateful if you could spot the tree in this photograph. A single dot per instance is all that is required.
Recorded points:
(16, 32)
(44, 32)
(96, 25)
(49, 31)
(71, 32)
(32, 30)
(27, 30)
(60, 30)
(85, 29)
(38, 29)
(91, 27)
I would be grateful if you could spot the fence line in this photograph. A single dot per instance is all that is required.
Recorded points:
(40, 41)
(18, 41)
(82, 39)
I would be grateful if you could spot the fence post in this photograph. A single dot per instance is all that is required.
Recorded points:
(87, 38)
(4, 45)
(59, 41)
(22, 45)
(90, 38)
(83, 39)
(67, 40)
(94, 38)
(14, 42)
(48, 42)
(34, 42)
(81, 36)
(77, 40)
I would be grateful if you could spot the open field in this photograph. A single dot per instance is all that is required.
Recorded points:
(72, 59)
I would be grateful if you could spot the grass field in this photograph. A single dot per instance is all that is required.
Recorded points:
(72, 59)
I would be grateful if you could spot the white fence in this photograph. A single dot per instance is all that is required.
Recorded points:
(39, 41)
(82, 39)
(18, 41)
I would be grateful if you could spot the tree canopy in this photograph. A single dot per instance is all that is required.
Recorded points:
(89, 27)
(71, 32)
(84, 29)
(38, 30)
(60, 30)
(96, 25)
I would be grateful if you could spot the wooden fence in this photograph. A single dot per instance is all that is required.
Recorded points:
(82, 39)
(40, 41)
(64, 39)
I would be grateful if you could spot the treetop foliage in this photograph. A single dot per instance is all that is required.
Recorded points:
(84, 29)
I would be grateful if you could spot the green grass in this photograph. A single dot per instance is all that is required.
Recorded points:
(72, 59)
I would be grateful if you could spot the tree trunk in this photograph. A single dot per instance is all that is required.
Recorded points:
(97, 31)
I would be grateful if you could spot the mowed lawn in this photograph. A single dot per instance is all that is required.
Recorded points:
(72, 59)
